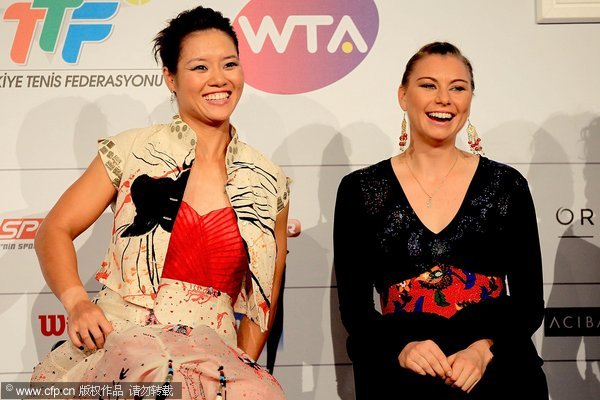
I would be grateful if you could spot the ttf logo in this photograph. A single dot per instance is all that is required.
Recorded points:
(291, 47)
(19, 229)
(82, 27)
(52, 325)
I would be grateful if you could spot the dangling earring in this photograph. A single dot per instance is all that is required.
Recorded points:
(403, 134)
(172, 97)
(474, 140)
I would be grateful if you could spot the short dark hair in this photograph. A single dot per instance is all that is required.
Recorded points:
(440, 48)
(167, 43)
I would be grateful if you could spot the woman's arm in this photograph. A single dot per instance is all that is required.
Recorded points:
(250, 338)
(352, 258)
(504, 325)
(76, 210)
(510, 321)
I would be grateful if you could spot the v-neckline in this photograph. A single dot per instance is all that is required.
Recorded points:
(460, 208)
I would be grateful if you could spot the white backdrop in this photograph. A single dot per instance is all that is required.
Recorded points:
(536, 108)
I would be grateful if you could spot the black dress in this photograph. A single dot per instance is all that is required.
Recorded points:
(379, 242)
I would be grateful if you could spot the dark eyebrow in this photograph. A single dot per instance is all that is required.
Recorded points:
(233, 56)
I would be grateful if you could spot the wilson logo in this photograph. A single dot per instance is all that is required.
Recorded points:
(19, 229)
(52, 325)
(296, 47)
(82, 26)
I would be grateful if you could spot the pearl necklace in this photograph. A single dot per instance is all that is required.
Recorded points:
(429, 201)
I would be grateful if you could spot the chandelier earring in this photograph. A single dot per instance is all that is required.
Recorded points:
(403, 135)
(474, 140)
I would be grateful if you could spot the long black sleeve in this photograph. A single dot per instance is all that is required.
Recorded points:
(511, 320)
(357, 264)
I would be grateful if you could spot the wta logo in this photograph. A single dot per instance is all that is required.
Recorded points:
(83, 26)
(291, 47)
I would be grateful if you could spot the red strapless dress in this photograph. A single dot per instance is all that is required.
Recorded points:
(189, 338)
(207, 250)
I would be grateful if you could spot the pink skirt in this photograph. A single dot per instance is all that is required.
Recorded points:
(193, 357)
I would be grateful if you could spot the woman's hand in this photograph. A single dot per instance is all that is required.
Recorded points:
(86, 323)
(468, 365)
(425, 358)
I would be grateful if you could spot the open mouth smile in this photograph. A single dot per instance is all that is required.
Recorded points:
(217, 96)
(440, 116)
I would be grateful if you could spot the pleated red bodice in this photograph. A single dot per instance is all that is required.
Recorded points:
(207, 250)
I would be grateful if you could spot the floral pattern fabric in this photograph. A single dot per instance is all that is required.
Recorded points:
(444, 290)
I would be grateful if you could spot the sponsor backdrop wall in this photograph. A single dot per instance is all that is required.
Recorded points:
(321, 101)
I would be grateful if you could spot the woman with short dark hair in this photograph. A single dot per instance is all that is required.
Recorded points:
(199, 235)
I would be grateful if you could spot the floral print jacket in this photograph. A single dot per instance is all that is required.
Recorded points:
(149, 168)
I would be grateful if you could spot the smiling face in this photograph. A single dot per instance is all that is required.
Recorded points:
(209, 80)
(437, 98)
